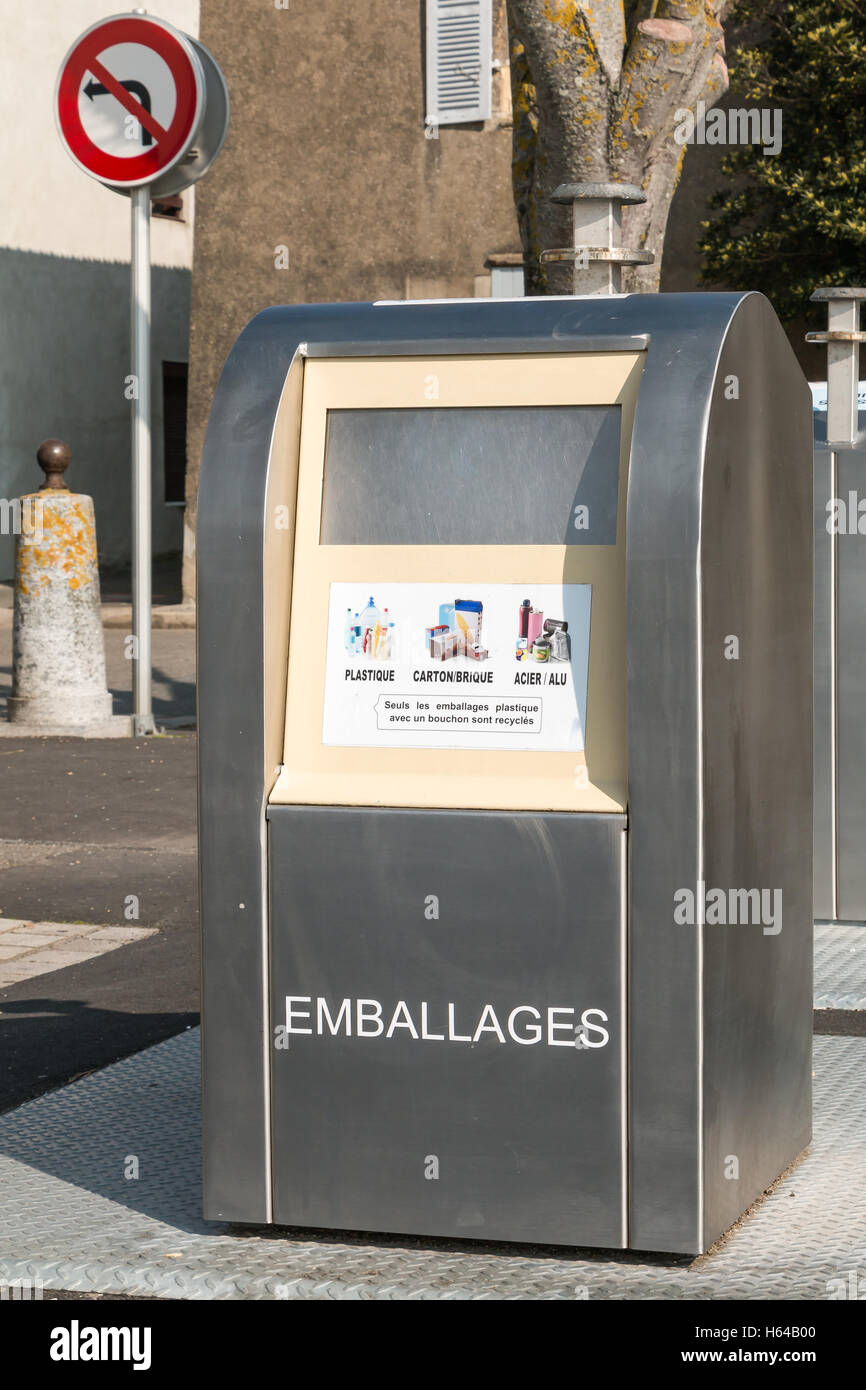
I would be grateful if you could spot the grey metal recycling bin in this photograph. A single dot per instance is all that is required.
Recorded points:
(505, 712)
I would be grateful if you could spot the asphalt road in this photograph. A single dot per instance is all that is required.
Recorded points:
(84, 824)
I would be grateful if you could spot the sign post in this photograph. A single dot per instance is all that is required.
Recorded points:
(144, 109)
(142, 702)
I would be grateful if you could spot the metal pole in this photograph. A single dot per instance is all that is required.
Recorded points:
(843, 338)
(142, 717)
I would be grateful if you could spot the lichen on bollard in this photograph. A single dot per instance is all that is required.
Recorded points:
(58, 675)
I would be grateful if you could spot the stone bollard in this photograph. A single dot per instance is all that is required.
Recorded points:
(58, 672)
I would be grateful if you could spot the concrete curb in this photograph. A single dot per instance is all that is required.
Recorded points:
(118, 726)
(170, 615)
(115, 726)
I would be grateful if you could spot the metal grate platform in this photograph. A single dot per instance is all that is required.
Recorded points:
(69, 1217)
(840, 966)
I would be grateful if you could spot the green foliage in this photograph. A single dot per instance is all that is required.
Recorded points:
(795, 221)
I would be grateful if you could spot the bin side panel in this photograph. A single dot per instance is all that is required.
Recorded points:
(824, 813)
(663, 534)
(471, 915)
(233, 776)
(757, 586)
(851, 551)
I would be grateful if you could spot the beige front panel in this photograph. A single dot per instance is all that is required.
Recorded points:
(312, 773)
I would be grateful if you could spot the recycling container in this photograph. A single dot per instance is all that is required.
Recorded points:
(505, 762)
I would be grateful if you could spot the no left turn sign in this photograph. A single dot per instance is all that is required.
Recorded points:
(144, 109)
(129, 100)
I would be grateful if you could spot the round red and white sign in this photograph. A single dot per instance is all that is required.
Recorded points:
(129, 99)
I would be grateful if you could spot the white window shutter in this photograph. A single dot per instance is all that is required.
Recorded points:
(459, 60)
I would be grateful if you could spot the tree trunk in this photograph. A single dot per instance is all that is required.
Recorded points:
(595, 90)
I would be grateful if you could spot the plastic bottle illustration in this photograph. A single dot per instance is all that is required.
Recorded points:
(386, 646)
(369, 618)
(348, 631)
(384, 649)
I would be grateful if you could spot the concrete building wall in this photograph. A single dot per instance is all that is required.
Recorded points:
(64, 288)
(327, 157)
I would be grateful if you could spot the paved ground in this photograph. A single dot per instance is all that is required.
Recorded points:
(72, 1216)
(86, 828)
(28, 949)
(83, 825)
